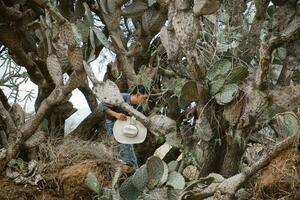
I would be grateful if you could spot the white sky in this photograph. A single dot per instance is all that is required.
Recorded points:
(78, 100)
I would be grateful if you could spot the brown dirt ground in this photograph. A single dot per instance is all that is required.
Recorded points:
(62, 184)
(281, 177)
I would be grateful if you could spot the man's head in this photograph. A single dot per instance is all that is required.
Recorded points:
(138, 95)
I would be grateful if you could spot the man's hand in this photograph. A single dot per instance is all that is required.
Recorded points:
(116, 115)
(121, 116)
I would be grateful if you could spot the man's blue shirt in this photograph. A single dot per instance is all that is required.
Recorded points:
(105, 106)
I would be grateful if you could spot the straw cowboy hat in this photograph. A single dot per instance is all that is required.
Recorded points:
(130, 131)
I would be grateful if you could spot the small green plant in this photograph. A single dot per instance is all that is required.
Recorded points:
(93, 184)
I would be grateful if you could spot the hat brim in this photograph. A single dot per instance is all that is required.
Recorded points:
(121, 138)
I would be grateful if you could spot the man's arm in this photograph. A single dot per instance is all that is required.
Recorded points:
(107, 108)
(116, 115)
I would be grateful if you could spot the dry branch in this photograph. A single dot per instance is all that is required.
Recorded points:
(8, 120)
(290, 34)
(228, 187)
(29, 128)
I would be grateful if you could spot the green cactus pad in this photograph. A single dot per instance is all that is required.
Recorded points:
(172, 165)
(176, 180)
(93, 184)
(128, 191)
(216, 85)
(140, 178)
(227, 94)
(285, 124)
(220, 68)
(157, 172)
(189, 93)
(237, 74)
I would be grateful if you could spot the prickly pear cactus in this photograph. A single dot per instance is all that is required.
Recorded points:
(128, 191)
(93, 184)
(140, 178)
(170, 43)
(237, 74)
(157, 172)
(205, 7)
(186, 28)
(182, 4)
(76, 58)
(220, 68)
(188, 94)
(227, 94)
(176, 180)
(54, 69)
(285, 124)
(66, 34)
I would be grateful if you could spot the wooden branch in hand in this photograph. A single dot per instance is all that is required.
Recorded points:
(140, 116)
(108, 92)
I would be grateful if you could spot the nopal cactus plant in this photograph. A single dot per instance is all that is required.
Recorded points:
(93, 184)
(152, 176)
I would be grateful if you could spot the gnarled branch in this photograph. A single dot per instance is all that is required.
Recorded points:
(289, 34)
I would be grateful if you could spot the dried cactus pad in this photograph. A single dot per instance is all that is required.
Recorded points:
(54, 69)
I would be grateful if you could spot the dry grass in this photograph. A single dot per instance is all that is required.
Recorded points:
(281, 178)
(64, 165)
(55, 154)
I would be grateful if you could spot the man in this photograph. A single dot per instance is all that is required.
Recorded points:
(113, 113)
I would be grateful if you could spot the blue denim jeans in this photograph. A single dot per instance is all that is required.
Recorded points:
(127, 153)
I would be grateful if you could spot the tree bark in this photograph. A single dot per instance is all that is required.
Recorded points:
(87, 129)
(234, 151)
(228, 187)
